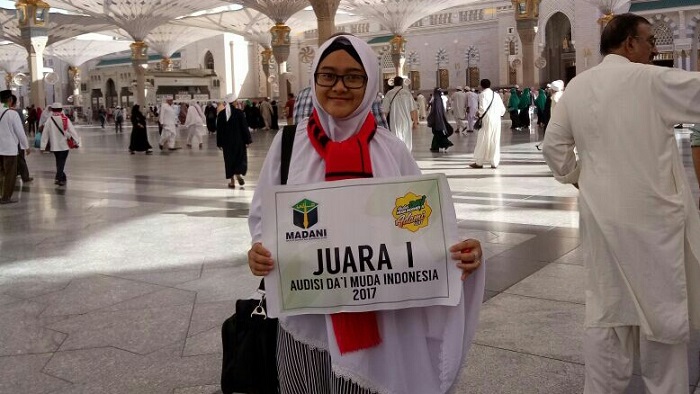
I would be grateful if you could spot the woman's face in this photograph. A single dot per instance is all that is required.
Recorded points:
(339, 101)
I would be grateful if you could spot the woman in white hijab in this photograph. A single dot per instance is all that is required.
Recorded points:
(414, 350)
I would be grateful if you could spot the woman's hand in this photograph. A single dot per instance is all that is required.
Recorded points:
(260, 260)
(469, 254)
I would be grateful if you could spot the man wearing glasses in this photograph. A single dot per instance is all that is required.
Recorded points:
(640, 230)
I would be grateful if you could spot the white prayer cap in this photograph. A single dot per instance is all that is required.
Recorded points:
(230, 98)
(459, 88)
(558, 85)
(56, 106)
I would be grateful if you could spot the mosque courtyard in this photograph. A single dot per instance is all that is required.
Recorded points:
(119, 282)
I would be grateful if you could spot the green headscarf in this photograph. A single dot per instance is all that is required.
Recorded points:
(525, 99)
(541, 99)
(514, 101)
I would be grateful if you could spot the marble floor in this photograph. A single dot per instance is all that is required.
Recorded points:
(119, 282)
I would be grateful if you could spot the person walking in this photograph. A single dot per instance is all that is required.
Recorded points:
(488, 143)
(289, 109)
(194, 123)
(524, 104)
(22, 167)
(58, 130)
(118, 120)
(472, 109)
(407, 351)
(168, 118)
(139, 134)
(232, 138)
(266, 113)
(437, 121)
(12, 139)
(401, 111)
(640, 230)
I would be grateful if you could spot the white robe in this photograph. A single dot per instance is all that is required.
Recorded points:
(168, 118)
(488, 143)
(194, 123)
(422, 106)
(473, 104)
(640, 228)
(422, 349)
(402, 104)
(266, 112)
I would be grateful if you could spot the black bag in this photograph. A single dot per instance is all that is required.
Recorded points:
(448, 129)
(249, 337)
(430, 120)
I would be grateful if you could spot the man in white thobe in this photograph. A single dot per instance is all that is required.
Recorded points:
(473, 107)
(401, 112)
(459, 108)
(194, 123)
(168, 118)
(488, 143)
(422, 106)
(266, 112)
(640, 230)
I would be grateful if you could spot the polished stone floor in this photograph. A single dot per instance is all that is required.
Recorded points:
(119, 282)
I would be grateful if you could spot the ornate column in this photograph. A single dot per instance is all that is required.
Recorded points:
(526, 16)
(166, 64)
(281, 42)
(325, 15)
(74, 75)
(33, 18)
(266, 57)
(8, 80)
(398, 53)
(139, 60)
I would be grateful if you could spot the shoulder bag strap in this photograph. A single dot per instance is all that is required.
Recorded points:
(288, 133)
(59, 127)
(3, 114)
(489, 107)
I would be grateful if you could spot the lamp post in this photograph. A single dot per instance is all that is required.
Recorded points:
(33, 17)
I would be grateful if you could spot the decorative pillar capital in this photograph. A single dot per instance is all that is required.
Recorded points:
(526, 9)
(605, 19)
(280, 34)
(8, 80)
(398, 45)
(166, 64)
(266, 56)
(32, 13)
(139, 51)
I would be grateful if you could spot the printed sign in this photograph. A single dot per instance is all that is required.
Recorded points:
(361, 245)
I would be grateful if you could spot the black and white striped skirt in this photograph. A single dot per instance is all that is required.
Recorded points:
(303, 370)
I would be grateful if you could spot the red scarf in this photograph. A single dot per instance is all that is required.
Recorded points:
(347, 160)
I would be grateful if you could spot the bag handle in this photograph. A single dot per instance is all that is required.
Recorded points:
(288, 133)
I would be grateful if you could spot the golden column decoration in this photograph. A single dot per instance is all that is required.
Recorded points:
(166, 64)
(139, 60)
(527, 13)
(8, 80)
(33, 18)
(398, 53)
(266, 55)
(281, 41)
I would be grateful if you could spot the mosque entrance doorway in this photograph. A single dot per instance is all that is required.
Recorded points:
(559, 51)
(111, 99)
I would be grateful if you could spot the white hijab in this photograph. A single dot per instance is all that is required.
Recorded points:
(229, 99)
(342, 129)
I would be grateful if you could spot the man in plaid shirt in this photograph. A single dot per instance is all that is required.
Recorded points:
(304, 106)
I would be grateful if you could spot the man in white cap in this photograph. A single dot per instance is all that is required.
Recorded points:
(401, 112)
(168, 118)
(459, 108)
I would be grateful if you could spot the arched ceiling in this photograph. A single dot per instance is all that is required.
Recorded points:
(60, 27)
(75, 51)
(137, 17)
(12, 58)
(398, 15)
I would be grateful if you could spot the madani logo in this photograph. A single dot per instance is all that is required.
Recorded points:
(411, 212)
(305, 213)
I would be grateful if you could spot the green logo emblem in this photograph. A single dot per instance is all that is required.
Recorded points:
(305, 213)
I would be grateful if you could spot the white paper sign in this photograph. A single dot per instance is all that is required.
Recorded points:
(361, 245)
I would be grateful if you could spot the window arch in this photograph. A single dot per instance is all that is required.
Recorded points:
(663, 33)
(208, 61)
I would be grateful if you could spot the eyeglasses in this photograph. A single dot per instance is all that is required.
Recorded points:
(350, 81)
(651, 40)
